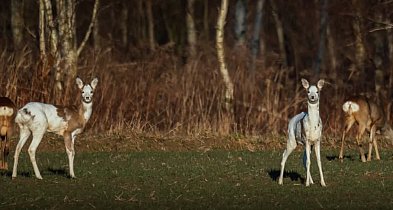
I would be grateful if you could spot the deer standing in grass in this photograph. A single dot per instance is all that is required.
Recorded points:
(306, 129)
(7, 116)
(68, 121)
(369, 116)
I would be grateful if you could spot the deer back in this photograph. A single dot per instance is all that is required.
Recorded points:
(365, 111)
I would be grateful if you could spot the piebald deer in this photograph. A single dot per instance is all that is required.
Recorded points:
(306, 129)
(369, 116)
(7, 116)
(38, 118)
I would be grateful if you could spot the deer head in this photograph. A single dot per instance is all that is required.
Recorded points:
(313, 91)
(87, 90)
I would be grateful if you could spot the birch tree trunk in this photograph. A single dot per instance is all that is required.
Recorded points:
(150, 22)
(280, 33)
(221, 55)
(191, 31)
(42, 30)
(17, 23)
(63, 41)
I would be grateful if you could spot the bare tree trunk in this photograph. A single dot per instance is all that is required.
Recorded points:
(240, 22)
(206, 19)
(124, 24)
(332, 53)
(64, 41)
(150, 21)
(221, 55)
(42, 30)
(322, 38)
(255, 43)
(96, 34)
(360, 52)
(280, 33)
(17, 23)
(191, 31)
(54, 41)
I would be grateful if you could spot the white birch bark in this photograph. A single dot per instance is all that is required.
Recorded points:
(221, 54)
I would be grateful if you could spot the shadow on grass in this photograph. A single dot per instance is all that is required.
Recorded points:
(58, 171)
(294, 176)
(335, 157)
(8, 173)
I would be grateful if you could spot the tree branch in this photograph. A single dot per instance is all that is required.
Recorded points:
(87, 35)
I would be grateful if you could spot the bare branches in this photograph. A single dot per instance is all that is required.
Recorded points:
(87, 35)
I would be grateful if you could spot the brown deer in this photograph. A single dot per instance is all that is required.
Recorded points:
(7, 115)
(370, 116)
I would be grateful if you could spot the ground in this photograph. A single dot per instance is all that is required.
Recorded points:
(121, 171)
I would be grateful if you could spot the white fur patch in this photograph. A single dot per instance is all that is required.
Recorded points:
(6, 111)
(350, 106)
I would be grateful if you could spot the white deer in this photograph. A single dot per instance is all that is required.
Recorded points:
(68, 121)
(306, 129)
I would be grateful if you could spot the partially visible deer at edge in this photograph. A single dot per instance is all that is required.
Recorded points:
(369, 115)
(7, 116)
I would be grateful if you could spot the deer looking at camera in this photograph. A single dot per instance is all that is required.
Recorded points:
(369, 116)
(68, 121)
(7, 116)
(306, 129)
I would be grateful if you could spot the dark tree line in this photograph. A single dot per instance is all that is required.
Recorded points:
(331, 38)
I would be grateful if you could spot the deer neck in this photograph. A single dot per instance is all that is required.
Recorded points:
(313, 112)
(86, 110)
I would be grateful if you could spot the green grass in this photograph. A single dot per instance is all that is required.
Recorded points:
(208, 180)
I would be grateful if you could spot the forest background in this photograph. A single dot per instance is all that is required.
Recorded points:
(158, 69)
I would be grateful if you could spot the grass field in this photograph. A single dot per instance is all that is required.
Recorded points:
(210, 180)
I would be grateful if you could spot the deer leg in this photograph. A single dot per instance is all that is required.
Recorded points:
(37, 137)
(376, 148)
(291, 145)
(305, 163)
(69, 145)
(370, 142)
(6, 152)
(2, 156)
(361, 130)
(308, 163)
(318, 155)
(23, 136)
(348, 125)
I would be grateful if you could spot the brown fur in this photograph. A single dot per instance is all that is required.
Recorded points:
(370, 117)
(6, 130)
(73, 115)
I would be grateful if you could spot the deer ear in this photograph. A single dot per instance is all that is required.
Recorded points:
(320, 84)
(305, 83)
(94, 83)
(79, 82)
